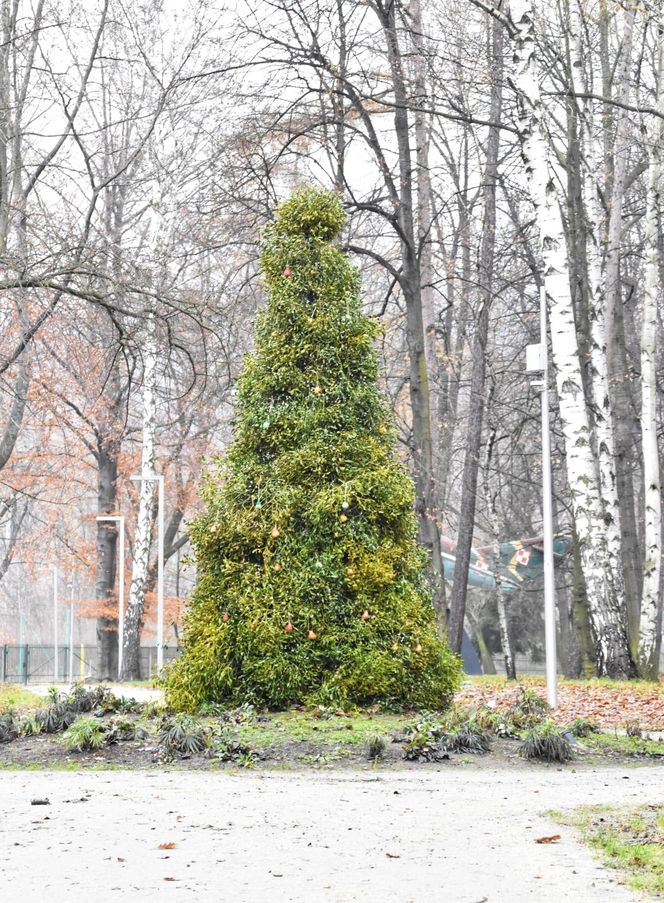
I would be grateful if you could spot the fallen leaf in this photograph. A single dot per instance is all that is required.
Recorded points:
(39, 802)
(167, 846)
(392, 855)
(554, 838)
(170, 879)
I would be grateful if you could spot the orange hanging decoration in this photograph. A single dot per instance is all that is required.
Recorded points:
(312, 635)
(364, 616)
(289, 628)
(288, 272)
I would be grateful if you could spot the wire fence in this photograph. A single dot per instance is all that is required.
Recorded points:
(35, 663)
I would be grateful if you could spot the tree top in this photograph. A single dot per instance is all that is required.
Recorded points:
(312, 213)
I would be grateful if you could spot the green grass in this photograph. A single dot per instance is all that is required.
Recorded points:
(18, 697)
(629, 840)
(621, 744)
(293, 726)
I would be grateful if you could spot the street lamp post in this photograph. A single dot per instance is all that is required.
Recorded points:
(120, 521)
(159, 479)
(537, 366)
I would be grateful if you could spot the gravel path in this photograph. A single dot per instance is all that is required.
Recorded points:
(465, 836)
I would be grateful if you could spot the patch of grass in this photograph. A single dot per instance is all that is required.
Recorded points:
(628, 839)
(625, 745)
(17, 697)
(309, 727)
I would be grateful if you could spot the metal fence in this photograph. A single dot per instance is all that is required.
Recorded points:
(36, 664)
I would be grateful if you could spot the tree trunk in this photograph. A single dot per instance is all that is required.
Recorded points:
(607, 617)
(107, 541)
(411, 285)
(476, 401)
(652, 601)
(131, 663)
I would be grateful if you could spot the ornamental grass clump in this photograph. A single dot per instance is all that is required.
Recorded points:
(181, 736)
(9, 726)
(546, 742)
(311, 584)
(86, 734)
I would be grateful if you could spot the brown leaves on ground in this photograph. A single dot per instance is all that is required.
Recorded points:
(607, 703)
(167, 846)
(553, 838)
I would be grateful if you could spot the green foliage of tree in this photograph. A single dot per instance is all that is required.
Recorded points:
(311, 584)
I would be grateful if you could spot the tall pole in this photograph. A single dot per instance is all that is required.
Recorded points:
(160, 578)
(55, 623)
(547, 512)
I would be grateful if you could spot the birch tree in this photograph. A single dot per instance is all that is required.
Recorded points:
(651, 602)
(607, 614)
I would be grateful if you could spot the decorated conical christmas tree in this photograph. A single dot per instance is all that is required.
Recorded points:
(310, 585)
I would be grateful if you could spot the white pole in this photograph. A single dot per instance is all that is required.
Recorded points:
(71, 634)
(121, 594)
(55, 623)
(160, 578)
(547, 512)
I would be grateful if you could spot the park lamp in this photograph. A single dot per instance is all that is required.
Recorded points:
(537, 369)
(159, 479)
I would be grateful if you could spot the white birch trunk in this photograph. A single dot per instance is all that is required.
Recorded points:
(144, 523)
(608, 619)
(597, 311)
(650, 604)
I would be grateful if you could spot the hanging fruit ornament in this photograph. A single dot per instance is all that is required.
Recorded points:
(418, 648)
(214, 528)
(350, 572)
(345, 505)
(288, 272)
(364, 616)
(226, 617)
(343, 518)
(275, 533)
(289, 628)
(318, 390)
(312, 635)
(395, 647)
(382, 430)
(276, 567)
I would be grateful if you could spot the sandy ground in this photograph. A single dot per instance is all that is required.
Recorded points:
(466, 836)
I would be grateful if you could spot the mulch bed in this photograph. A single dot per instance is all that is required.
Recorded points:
(606, 704)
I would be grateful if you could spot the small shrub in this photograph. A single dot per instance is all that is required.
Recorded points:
(183, 735)
(528, 709)
(227, 747)
(243, 714)
(546, 742)
(55, 717)
(423, 739)
(9, 726)
(28, 726)
(376, 747)
(121, 730)
(467, 736)
(583, 727)
(85, 734)
(633, 729)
